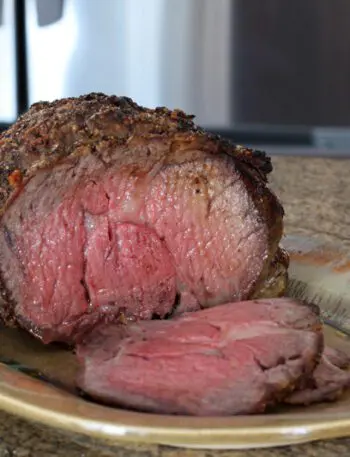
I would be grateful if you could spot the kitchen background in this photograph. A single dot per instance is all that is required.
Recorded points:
(271, 73)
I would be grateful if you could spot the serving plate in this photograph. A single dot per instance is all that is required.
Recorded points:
(37, 382)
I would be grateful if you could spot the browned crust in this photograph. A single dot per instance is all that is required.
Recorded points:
(275, 283)
(50, 131)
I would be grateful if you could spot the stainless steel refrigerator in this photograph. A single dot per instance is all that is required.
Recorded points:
(159, 52)
(8, 69)
(260, 70)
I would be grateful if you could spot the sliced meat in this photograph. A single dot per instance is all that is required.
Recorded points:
(110, 209)
(337, 357)
(232, 359)
(328, 382)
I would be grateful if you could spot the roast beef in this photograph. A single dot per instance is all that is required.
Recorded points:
(236, 358)
(112, 210)
(328, 381)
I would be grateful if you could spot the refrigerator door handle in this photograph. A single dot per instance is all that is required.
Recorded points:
(1, 11)
(49, 11)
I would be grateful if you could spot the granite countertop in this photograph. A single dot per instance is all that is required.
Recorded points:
(316, 197)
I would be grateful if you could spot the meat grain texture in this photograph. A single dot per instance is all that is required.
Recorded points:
(110, 209)
(236, 358)
(329, 380)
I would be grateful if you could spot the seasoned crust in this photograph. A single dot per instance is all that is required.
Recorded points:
(50, 131)
(275, 283)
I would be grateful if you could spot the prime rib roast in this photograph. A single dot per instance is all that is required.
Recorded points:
(152, 247)
(110, 209)
(235, 358)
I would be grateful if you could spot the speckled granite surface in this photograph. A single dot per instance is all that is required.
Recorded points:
(316, 197)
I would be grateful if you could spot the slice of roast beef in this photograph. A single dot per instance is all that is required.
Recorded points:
(328, 381)
(337, 357)
(232, 359)
(110, 209)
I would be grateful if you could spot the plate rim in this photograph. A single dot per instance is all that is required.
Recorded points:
(222, 433)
